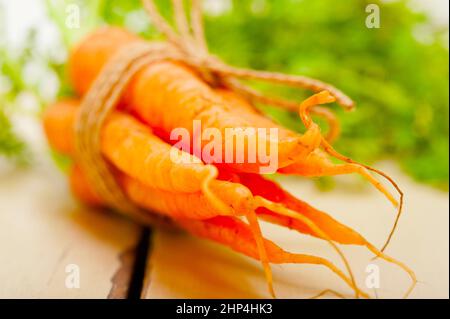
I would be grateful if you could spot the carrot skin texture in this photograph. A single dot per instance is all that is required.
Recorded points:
(151, 199)
(233, 233)
(189, 205)
(235, 196)
(196, 206)
(84, 67)
(228, 231)
(130, 146)
(84, 192)
(172, 204)
(58, 121)
(318, 163)
(270, 190)
(169, 95)
(81, 188)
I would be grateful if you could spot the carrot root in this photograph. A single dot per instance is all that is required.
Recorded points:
(328, 291)
(234, 233)
(257, 234)
(382, 255)
(284, 211)
(326, 97)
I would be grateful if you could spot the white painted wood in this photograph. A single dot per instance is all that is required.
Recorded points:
(43, 230)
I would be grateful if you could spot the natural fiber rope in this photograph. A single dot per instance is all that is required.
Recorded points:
(191, 49)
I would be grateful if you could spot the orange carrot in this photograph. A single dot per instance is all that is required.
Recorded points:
(169, 95)
(193, 213)
(134, 150)
(238, 200)
(84, 68)
(172, 204)
(261, 187)
(81, 189)
(275, 206)
(318, 162)
(304, 113)
(235, 234)
(58, 124)
(131, 147)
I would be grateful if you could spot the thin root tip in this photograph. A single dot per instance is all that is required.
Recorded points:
(395, 203)
(349, 107)
(410, 290)
(325, 97)
(272, 293)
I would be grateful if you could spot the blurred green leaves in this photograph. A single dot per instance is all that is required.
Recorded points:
(400, 85)
(398, 80)
(11, 85)
(11, 146)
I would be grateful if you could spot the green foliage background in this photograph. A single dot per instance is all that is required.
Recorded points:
(400, 84)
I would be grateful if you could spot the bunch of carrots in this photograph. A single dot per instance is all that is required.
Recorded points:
(223, 203)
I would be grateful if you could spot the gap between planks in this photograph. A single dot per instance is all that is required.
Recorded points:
(128, 281)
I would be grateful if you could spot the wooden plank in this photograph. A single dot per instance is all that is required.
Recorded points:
(181, 266)
(45, 237)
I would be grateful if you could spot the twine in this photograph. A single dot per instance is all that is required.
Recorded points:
(188, 45)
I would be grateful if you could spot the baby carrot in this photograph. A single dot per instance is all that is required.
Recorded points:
(169, 95)
(184, 209)
(131, 147)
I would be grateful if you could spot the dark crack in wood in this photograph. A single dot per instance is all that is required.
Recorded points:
(125, 279)
(140, 265)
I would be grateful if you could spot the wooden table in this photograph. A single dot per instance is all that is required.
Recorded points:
(46, 238)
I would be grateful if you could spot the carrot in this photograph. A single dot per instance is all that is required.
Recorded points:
(304, 113)
(238, 200)
(235, 234)
(131, 147)
(270, 190)
(193, 213)
(169, 95)
(58, 121)
(80, 188)
(172, 204)
(338, 232)
(193, 205)
(103, 41)
(275, 206)
(318, 162)
(244, 108)
(134, 150)
(277, 199)
(227, 231)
